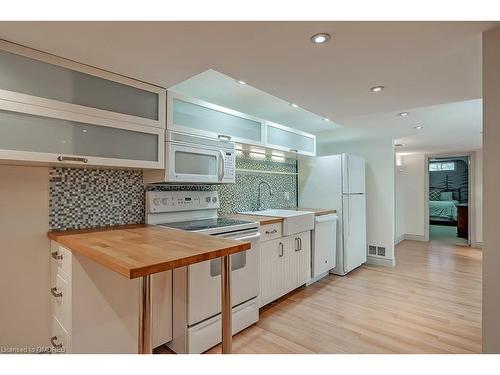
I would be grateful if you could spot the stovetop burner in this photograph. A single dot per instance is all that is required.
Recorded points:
(204, 224)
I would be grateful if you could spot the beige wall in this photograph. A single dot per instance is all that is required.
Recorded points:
(491, 189)
(24, 252)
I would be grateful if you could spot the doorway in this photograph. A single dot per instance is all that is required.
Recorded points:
(448, 199)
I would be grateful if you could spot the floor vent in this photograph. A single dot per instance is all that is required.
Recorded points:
(372, 250)
(381, 251)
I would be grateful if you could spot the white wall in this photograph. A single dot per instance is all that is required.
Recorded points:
(491, 180)
(25, 256)
(399, 191)
(478, 189)
(413, 177)
(379, 156)
(411, 180)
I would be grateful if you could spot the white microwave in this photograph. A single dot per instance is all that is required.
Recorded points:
(195, 160)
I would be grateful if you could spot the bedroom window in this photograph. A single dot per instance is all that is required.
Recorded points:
(442, 166)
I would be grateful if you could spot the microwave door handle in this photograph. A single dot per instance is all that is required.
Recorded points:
(221, 165)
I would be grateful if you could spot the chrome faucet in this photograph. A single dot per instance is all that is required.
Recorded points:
(260, 192)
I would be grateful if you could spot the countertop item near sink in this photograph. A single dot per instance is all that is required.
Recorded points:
(138, 250)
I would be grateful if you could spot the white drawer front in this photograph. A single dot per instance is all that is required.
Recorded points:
(61, 301)
(60, 340)
(270, 231)
(60, 258)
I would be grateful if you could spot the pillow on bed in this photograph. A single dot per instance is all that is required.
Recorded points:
(434, 195)
(446, 196)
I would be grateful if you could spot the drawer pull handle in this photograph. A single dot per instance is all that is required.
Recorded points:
(72, 158)
(297, 248)
(228, 137)
(294, 150)
(56, 255)
(53, 342)
(271, 231)
(55, 293)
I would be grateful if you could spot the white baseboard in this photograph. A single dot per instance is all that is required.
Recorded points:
(384, 262)
(477, 245)
(399, 239)
(414, 237)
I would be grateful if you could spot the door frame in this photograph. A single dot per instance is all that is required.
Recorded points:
(471, 193)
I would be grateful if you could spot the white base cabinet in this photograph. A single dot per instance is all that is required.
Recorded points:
(285, 264)
(95, 310)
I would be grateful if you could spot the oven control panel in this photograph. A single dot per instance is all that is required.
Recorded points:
(172, 201)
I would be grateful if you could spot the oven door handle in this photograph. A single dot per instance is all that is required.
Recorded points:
(245, 238)
(222, 165)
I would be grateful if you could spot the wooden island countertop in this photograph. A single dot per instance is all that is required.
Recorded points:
(139, 250)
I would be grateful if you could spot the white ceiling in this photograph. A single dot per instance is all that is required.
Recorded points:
(446, 128)
(421, 64)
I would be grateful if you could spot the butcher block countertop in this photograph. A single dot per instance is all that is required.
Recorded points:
(317, 211)
(263, 220)
(139, 250)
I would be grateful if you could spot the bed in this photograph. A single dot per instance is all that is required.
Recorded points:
(443, 206)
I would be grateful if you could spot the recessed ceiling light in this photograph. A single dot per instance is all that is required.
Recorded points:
(320, 38)
(403, 114)
(294, 105)
(418, 127)
(376, 88)
(326, 119)
(241, 82)
(400, 144)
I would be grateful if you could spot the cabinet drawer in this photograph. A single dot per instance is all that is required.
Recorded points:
(61, 301)
(61, 259)
(60, 339)
(270, 231)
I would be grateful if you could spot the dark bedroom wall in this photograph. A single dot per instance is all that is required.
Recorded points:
(456, 179)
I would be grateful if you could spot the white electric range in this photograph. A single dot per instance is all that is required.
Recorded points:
(196, 288)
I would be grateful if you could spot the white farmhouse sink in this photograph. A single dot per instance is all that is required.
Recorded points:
(293, 221)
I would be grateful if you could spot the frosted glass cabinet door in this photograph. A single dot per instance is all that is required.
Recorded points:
(286, 139)
(47, 138)
(32, 81)
(204, 119)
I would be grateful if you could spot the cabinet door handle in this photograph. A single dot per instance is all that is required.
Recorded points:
(228, 137)
(271, 231)
(296, 244)
(281, 252)
(72, 158)
(53, 342)
(55, 293)
(56, 255)
(300, 243)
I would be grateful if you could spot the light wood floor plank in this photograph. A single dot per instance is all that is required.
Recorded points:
(429, 303)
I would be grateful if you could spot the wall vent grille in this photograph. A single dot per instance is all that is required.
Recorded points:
(381, 251)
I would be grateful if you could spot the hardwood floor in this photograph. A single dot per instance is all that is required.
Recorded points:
(429, 303)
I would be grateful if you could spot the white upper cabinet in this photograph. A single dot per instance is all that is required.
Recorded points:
(286, 139)
(198, 117)
(54, 110)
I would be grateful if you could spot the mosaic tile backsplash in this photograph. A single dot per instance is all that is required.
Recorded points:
(89, 198)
